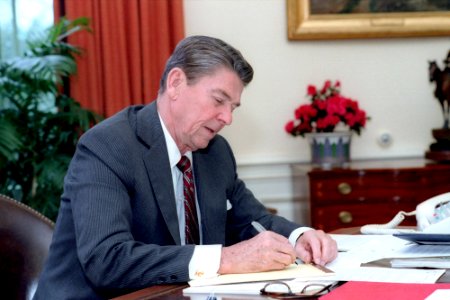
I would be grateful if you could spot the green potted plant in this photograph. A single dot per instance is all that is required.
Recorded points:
(39, 123)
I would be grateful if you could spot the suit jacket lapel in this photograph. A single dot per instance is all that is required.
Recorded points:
(148, 128)
(212, 204)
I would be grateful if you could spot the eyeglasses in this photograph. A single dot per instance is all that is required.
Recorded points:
(309, 291)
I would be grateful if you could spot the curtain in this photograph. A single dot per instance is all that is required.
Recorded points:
(123, 58)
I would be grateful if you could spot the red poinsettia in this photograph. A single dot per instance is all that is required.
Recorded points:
(327, 109)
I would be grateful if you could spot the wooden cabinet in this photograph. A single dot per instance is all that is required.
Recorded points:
(372, 192)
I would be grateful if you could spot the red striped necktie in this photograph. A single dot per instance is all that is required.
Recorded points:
(190, 211)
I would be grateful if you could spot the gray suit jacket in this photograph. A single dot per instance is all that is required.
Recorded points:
(117, 228)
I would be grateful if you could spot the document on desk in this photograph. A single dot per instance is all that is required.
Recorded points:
(305, 271)
(252, 288)
(355, 250)
(366, 248)
(376, 274)
(415, 250)
(349, 242)
(359, 249)
(440, 262)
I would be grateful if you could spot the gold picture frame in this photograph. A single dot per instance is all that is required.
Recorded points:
(304, 26)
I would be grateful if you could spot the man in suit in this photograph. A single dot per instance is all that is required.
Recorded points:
(121, 224)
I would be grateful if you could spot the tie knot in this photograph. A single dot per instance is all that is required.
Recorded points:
(184, 164)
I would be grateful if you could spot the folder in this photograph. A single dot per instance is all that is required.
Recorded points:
(357, 290)
(306, 271)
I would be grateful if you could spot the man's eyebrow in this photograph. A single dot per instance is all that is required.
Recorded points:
(224, 94)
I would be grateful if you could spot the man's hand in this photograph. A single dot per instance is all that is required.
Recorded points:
(316, 246)
(266, 251)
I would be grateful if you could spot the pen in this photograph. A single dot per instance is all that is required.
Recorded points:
(261, 228)
(258, 226)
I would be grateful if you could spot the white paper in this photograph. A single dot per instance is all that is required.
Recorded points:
(348, 242)
(439, 295)
(374, 274)
(440, 262)
(415, 250)
(366, 248)
(251, 288)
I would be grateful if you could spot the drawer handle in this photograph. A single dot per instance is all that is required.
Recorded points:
(344, 188)
(345, 217)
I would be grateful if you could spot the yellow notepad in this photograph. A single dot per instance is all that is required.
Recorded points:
(293, 271)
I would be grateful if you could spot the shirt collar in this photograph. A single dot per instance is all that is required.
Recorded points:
(172, 149)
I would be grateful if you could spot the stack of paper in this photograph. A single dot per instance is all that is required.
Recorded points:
(442, 262)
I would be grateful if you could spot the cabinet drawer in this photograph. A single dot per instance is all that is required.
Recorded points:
(373, 192)
(366, 188)
(333, 217)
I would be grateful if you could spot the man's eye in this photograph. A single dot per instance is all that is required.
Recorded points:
(219, 100)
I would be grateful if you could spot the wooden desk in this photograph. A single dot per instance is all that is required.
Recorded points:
(175, 291)
(168, 291)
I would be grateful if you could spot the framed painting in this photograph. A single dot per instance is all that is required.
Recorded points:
(347, 19)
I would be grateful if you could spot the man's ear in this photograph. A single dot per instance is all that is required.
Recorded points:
(175, 79)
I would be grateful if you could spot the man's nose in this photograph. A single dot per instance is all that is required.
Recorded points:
(226, 116)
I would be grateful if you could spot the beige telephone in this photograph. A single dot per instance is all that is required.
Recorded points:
(432, 215)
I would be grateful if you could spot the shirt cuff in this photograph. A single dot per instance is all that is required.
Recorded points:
(293, 237)
(205, 261)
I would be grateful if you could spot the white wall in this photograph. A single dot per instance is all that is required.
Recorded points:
(388, 77)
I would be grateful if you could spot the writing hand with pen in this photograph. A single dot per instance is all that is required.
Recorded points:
(271, 251)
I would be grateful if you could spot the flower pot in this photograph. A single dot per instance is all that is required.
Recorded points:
(330, 149)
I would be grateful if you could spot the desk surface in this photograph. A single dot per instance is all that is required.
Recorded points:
(175, 291)
(169, 291)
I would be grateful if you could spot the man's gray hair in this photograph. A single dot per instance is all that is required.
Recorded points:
(199, 56)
